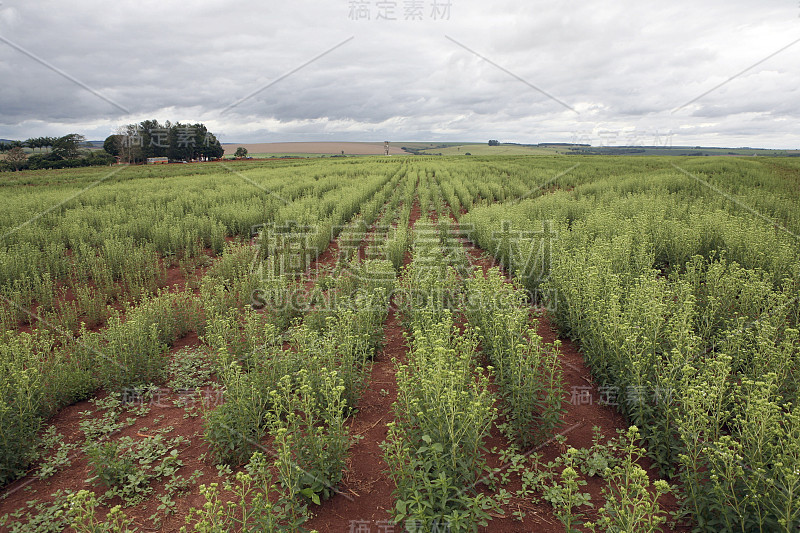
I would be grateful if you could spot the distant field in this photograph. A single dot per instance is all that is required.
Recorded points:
(303, 148)
(682, 151)
(485, 149)
(306, 149)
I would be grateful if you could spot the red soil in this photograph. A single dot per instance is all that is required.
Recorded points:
(163, 413)
(366, 491)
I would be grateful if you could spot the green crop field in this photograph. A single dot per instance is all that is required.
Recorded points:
(281, 155)
(513, 341)
(485, 149)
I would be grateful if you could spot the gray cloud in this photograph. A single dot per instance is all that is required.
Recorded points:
(625, 66)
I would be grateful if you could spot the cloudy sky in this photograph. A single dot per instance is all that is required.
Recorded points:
(709, 72)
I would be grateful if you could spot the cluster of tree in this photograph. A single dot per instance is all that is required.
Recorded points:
(135, 143)
(64, 152)
(33, 143)
(494, 142)
(41, 142)
(51, 160)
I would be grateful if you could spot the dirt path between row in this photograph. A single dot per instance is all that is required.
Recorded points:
(366, 498)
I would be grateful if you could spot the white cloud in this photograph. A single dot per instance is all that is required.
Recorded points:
(624, 66)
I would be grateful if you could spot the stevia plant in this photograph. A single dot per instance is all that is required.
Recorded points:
(443, 413)
(527, 372)
(235, 428)
(254, 507)
(631, 499)
(82, 515)
(307, 423)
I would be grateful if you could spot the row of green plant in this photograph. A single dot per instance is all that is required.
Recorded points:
(344, 339)
(58, 238)
(176, 219)
(293, 401)
(527, 371)
(46, 371)
(376, 245)
(398, 237)
(660, 277)
(444, 411)
(687, 312)
(43, 373)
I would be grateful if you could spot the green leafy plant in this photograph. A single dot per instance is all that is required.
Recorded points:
(253, 507)
(234, 429)
(189, 369)
(82, 515)
(563, 492)
(126, 467)
(308, 427)
(55, 453)
(39, 517)
(594, 461)
(631, 505)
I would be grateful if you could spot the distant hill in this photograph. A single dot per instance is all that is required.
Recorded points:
(482, 149)
(87, 144)
(323, 148)
(680, 150)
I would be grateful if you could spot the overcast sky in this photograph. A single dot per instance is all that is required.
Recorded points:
(613, 73)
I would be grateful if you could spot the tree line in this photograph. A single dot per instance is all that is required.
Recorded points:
(135, 143)
(68, 151)
(33, 143)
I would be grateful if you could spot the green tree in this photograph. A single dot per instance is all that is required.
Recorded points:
(150, 138)
(155, 138)
(68, 146)
(185, 141)
(241, 152)
(113, 144)
(48, 142)
(210, 147)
